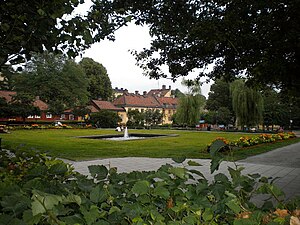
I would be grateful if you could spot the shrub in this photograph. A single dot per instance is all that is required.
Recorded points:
(35, 189)
(255, 140)
(105, 119)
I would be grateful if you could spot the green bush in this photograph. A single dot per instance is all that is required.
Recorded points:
(105, 119)
(37, 190)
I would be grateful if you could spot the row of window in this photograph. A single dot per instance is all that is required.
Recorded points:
(49, 116)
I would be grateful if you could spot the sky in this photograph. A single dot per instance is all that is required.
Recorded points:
(121, 65)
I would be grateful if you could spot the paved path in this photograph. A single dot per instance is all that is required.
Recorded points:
(283, 163)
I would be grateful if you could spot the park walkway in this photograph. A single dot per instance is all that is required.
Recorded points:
(283, 163)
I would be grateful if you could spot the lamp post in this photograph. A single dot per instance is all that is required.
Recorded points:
(291, 121)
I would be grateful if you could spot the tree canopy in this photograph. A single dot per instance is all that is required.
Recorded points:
(219, 96)
(256, 39)
(35, 26)
(189, 108)
(247, 104)
(56, 80)
(99, 86)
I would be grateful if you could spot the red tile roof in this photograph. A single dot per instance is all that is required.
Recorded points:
(105, 105)
(158, 92)
(37, 102)
(168, 102)
(40, 104)
(7, 95)
(133, 100)
(93, 109)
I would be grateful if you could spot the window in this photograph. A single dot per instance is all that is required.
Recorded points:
(71, 117)
(37, 117)
(30, 117)
(48, 115)
(63, 116)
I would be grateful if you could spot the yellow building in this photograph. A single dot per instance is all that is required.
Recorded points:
(165, 105)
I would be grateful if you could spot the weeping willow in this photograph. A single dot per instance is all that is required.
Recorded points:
(189, 107)
(247, 104)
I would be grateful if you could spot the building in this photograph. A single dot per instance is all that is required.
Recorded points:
(41, 105)
(163, 92)
(98, 105)
(155, 99)
(118, 92)
(169, 105)
(45, 115)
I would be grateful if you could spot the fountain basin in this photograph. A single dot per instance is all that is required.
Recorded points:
(132, 136)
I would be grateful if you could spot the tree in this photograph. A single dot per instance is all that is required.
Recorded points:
(59, 82)
(22, 106)
(4, 112)
(105, 119)
(152, 117)
(99, 82)
(273, 108)
(35, 26)
(219, 102)
(6, 79)
(135, 118)
(189, 106)
(219, 96)
(259, 39)
(247, 104)
(177, 93)
(82, 111)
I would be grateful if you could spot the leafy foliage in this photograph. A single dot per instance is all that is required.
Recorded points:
(28, 27)
(247, 104)
(135, 118)
(56, 80)
(152, 117)
(257, 39)
(190, 105)
(104, 119)
(99, 86)
(20, 106)
(38, 190)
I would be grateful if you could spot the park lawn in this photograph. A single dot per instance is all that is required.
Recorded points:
(63, 143)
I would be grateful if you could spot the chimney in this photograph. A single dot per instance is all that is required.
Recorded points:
(169, 87)
(136, 92)
(164, 87)
(144, 92)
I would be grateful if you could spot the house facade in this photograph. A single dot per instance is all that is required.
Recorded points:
(155, 99)
(45, 115)
(98, 105)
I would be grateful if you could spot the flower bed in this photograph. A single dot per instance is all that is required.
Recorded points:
(246, 141)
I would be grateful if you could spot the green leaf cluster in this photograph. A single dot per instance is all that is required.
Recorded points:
(35, 189)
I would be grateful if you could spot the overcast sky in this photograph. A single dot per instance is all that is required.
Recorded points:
(120, 63)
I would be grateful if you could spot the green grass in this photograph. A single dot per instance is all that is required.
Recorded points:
(65, 144)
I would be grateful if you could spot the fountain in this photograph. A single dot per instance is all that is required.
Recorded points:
(126, 133)
(127, 137)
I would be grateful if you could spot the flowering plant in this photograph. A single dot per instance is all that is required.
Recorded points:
(255, 140)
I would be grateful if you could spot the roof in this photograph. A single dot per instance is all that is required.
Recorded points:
(168, 102)
(40, 104)
(7, 95)
(133, 100)
(93, 109)
(158, 92)
(105, 105)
